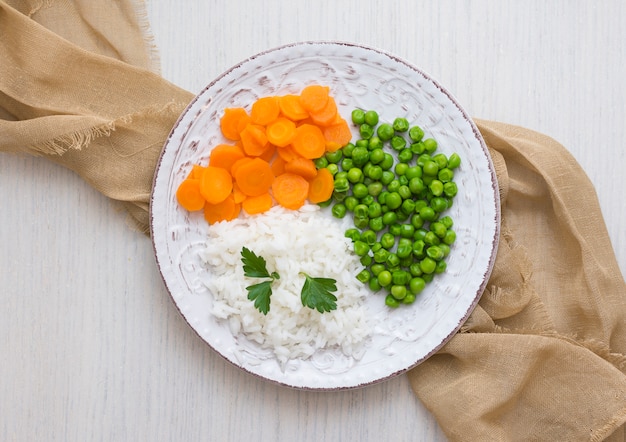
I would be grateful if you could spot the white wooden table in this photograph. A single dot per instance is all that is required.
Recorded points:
(92, 346)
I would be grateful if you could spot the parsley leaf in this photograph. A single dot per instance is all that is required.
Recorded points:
(260, 293)
(316, 293)
(255, 266)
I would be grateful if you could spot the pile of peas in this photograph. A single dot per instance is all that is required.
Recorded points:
(396, 202)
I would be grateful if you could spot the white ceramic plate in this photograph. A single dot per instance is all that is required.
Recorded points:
(358, 77)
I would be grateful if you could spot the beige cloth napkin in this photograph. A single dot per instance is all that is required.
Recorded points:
(542, 358)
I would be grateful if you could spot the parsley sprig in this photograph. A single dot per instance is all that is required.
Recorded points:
(317, 293)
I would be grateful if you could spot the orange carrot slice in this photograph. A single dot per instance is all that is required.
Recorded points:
(226, 210)
(189, 196)
(257, 204)
(265, 110)
(314, 97)
(281, 131)
(225, 155)
(309, 141)
(338, 133)
(216, 184)
(303, 167)
(327, 114)
(291, 107)
(254, 177)
(321, 187)
(254, 140)
(290, 190)
(233, 121)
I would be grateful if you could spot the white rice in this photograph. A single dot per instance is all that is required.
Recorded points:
(308, 240)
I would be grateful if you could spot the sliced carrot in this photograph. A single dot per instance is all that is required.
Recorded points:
(314, 97)
(257, 204)
(233, 121)
(238, 195)
(189, 196)
(309, 141)
(278, 165)
(265, 110)
(226, 210)
(196, 172)
(238, 164)
(254, 140)
(254, 177)
(321, 187)
(338, 133)
(281, 131)
(303, 167)
(290, 190)
(291, 107)
(216, 184)
(269, 153)
(287, 153)
(327, 115)
(225, 155)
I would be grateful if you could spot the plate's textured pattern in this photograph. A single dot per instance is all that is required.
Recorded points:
(358, 77)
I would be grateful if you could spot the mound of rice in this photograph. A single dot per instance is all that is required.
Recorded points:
(308, 240)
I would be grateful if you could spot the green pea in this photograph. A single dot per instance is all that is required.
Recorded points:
(334, 157)
(447, 221)
(332, 168)
(360, 248)
(350, 202)
(364, 276)
(395, 229)
(445, 248)
(358, 116)
(375, 173)
(431, 239)
(439, 204)
(385, 131)
(417, 222)
(384, 277)
(415, 270)
(355, 175)
(359, 190)
(454, 161)
(417, 148)
(387, 162)
(409, 298)
(408, 207)
(397, 142)
(441, 267)
(374, 285)
(416, 285)
(377, 156)
(390, 218)
(405, 248)
(405, 156)
(376, 247)
(404, 191)
(439, 229)
(369, 237)
(416, 185)
(376, 223)
(362, 143)
(435, 253)
(398, 291)
(420, 234)
(450, 189)
(450, 237)
(445, 175)
(418, 249)
(441, 160)
(413, 172)
(360, 156)
(400, 277)
(361, 222)
(368, 199)
(371, 118)
(430, 145)
(339, 210)
(366, 260)
(392, 302)
(428, 265)
(416, 133)
(393, 260)
(376, 268)
(400, 124)
(381, 256)
(375, 143)
(401, 168)
(427, 213)
(341, 184)
(347, 150)
(321, 162)
(374, 210)
(387, 240)
(393, 200)
(353, 234)
(430, 168)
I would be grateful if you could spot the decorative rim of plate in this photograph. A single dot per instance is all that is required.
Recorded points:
(156, 238)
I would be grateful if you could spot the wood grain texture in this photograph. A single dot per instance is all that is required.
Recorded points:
(93, 348)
